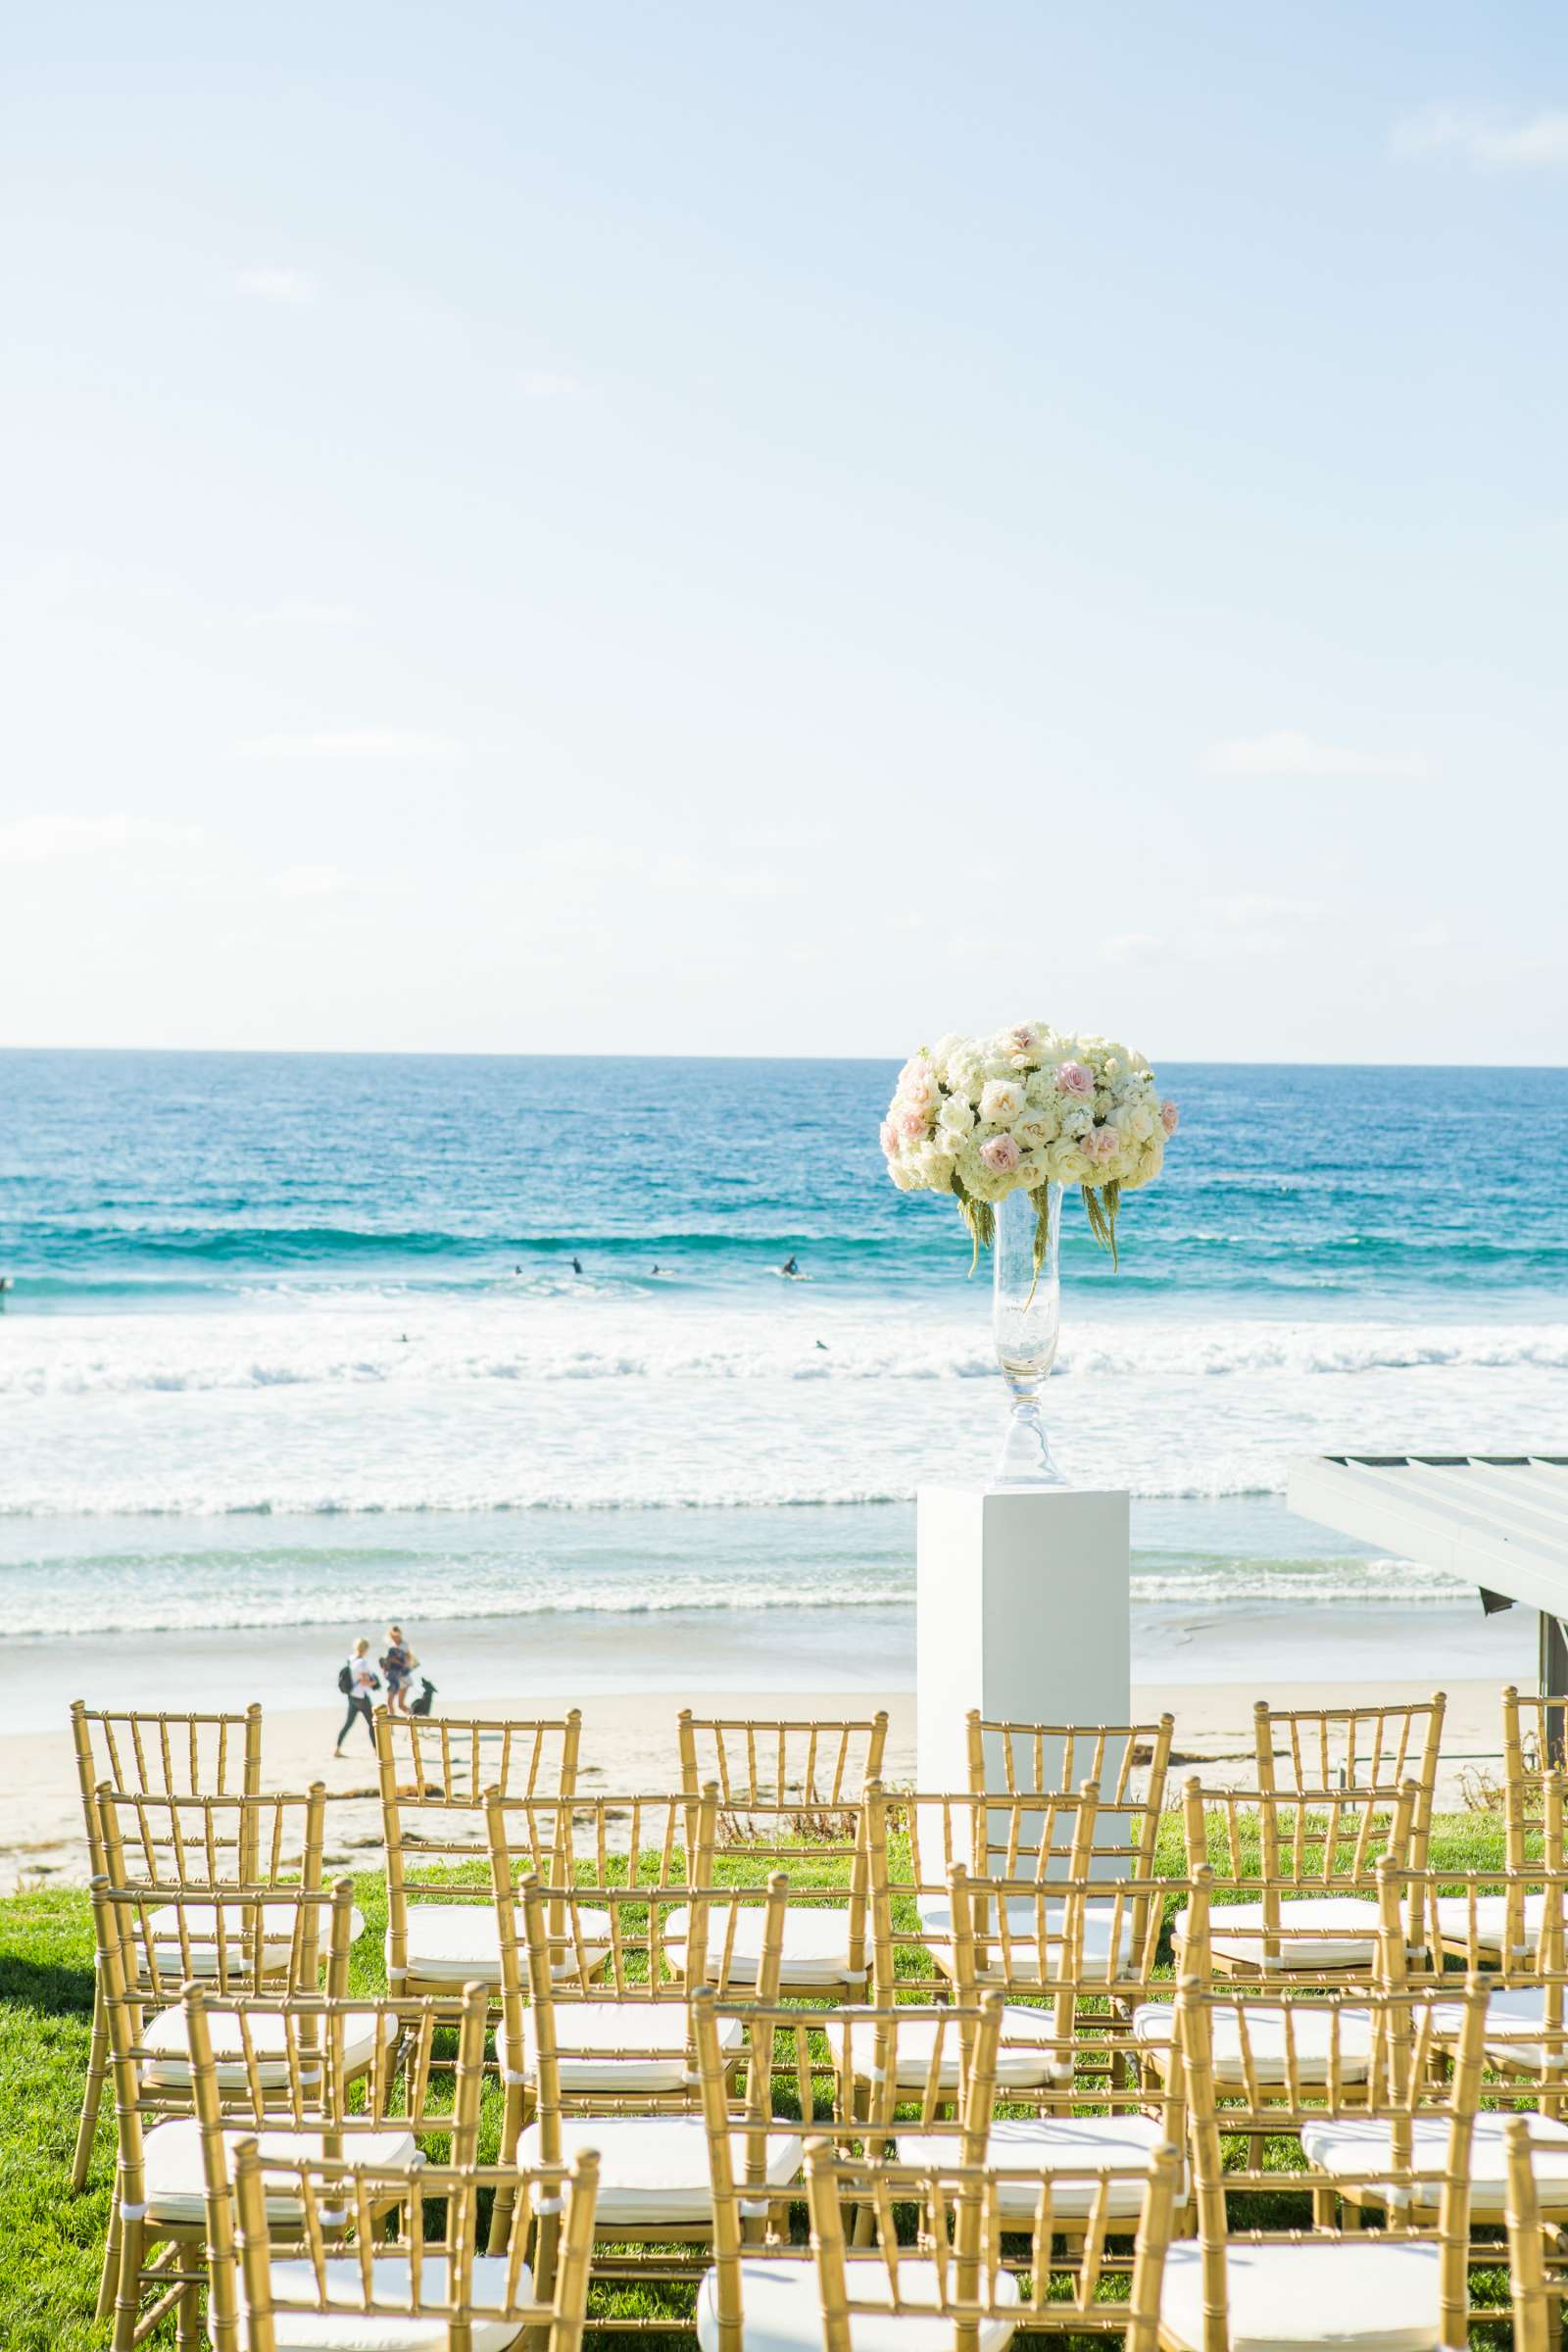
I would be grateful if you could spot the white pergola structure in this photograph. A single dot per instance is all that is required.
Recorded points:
(1498, 1520)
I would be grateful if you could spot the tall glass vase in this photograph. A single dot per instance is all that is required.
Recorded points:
(1026, 1315)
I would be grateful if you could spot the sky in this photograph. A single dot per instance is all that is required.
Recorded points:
(744, 529)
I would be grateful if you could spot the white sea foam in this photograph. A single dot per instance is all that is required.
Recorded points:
(410, 1402)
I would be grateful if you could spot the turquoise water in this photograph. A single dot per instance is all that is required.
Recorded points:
(290, 1335)
(132, 1179)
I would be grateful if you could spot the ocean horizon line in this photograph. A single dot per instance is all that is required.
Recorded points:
(796, 1060)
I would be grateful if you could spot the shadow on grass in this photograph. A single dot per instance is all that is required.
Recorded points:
(48, 1988)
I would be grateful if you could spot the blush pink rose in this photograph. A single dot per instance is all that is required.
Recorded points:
(889, 1141)
(1024, 1039)
(1170, 1118)
(1075, 1080)
(1002, 1154)
(1100, 1143)
(912, 1123)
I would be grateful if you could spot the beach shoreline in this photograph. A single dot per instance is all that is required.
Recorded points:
(630, 1744)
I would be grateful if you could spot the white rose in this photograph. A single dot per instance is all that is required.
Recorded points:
(955, 1116)
(1037, 1124)
(1001, 1102)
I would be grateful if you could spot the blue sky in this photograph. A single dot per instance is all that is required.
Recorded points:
(756, 528)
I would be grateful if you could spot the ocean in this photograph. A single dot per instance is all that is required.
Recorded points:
(297, 1341)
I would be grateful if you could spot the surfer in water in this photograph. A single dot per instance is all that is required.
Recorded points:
(790, 1270)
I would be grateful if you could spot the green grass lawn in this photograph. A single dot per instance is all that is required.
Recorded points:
(51, 2241)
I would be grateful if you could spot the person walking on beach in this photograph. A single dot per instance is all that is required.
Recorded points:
(357, 1679)
(398, 1666)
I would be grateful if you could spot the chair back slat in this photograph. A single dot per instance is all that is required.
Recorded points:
(429, 2275)
(953, 2270)
(161, 1755)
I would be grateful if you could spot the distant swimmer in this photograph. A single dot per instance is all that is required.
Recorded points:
(791, 1269)
(5, 1285)
(576, 1266)
(658, 1269)
(822, 1344)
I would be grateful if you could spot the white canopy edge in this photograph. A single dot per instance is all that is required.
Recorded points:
(1499, 1520)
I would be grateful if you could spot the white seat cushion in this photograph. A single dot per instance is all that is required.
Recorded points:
(1514, 2014)
(781, 2308)
(817, 1944)
(653, 2168)
(176, 2185)
(1345, 1931)
(349, 2330)
(1350, 2147)
(1490, 1916)
(1307, 2298)
(936, 1920)
(459, 1943)
(1155, 2022)
(167, 2063)
(200, 1958)
(652, 2033)
(1057, 2143)
(1019, 2066)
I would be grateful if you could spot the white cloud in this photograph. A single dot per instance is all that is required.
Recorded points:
(545, 384)
(354, 742)
(271, 283)
(310, 882)
(1288, 753)
(1533, 143)
(49, 840)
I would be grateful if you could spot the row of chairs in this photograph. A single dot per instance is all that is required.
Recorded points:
(968, 1882)
(1379, 2088)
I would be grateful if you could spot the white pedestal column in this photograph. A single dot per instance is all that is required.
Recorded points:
(1022, 1611)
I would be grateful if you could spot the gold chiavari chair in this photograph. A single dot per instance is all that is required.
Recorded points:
(949, 2284)
(146, 1951)
(435, 1775)
(791, 1794)
(1301, 1869)
(302, 2075)
(612, 1842)
(1127, 1762)
(158, 1755)
(1525, 2032)
(1533, 2308)
(177, 1846)
(1287, 2028)
(1405, 2284)
(864, 2074)
(183, 1845)
(1532, 1852)
(621, 2074)
(913, 1843)
(341, 2287)
(1306, 1752)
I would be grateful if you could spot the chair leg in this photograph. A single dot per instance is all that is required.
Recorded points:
(512, 2128)
(108, 2275)
(188, 2310)
(127, 2298)
(546, 2256)
(93, 2091)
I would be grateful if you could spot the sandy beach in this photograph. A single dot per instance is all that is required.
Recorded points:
(628, 1743)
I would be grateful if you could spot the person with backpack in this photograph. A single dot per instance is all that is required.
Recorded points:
(356, 1679)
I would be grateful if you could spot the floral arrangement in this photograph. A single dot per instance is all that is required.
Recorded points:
(981, 1117)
